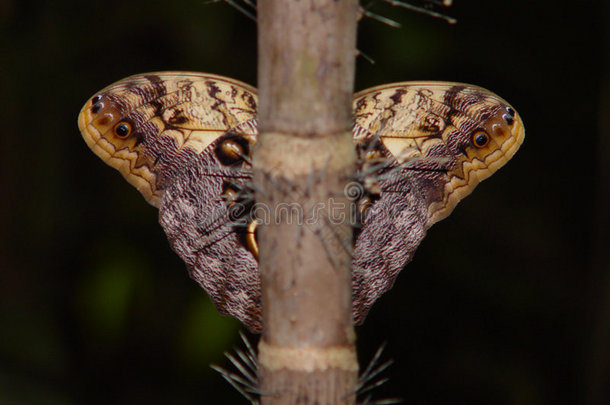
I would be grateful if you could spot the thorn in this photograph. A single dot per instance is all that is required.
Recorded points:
(239, 8)
(431, 13)
(365, 375)
(374, 385)
(365, 383)
(387, 401)
(381, 19)
(365, 56)
(250, 351)
(245, 362)
(251, 378)
(234, 381)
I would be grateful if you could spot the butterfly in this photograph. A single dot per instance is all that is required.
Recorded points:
(184, 140)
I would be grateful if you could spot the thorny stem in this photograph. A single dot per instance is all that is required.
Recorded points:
(303, 155)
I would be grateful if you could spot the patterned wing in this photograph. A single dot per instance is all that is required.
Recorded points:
(423, 146)
(183, 140)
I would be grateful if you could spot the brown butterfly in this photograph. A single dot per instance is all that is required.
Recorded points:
(183, 139)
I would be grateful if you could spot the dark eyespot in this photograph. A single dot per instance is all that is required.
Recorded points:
(233, 149)
(97, 106)
(508, 119)
(122, 130)
(510, 111)
(229, 194)
(480, 139)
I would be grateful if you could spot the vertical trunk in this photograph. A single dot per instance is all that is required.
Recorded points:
(302, 163)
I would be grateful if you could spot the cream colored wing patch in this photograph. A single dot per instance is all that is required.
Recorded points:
(471, 129)
(147, 125)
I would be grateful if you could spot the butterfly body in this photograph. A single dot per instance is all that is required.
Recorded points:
(184, 139)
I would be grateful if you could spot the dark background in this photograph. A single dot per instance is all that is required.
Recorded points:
(506, 302)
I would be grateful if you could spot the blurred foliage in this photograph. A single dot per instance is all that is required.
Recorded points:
(500, 305)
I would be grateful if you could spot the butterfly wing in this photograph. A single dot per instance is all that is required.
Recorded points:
(183, 140)
(423, 146)
(147, 126)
